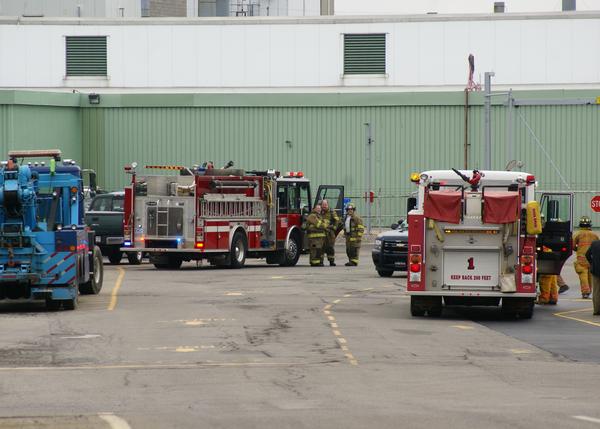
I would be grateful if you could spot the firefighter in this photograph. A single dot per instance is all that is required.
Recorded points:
(581, 243)
(331, 216)
(353, 231)
(316, 227)
(548, 286)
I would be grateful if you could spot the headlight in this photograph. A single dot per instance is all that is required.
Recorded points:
(377, 243)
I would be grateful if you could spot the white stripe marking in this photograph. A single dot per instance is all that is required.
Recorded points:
(587, 419)
(115, 422)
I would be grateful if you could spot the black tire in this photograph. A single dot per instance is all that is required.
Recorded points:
(135, 258)
(174, 262)
(518, 308)
(238, 251)
(416, 309)
(435, 307)
(94, 284)
(291, 254)
(115, 256)
(385, 273)
(161, 266)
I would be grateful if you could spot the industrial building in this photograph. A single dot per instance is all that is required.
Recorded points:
(296, 93)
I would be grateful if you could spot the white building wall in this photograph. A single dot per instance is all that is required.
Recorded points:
(304, 54)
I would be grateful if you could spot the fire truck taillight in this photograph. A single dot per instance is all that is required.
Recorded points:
(530, 179)
(415, 268)
(527, 269)
(199, 245)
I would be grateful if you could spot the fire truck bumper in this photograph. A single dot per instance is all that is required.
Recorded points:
(473, 293)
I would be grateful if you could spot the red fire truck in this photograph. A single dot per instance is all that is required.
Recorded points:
(220, 215)
(472, 240)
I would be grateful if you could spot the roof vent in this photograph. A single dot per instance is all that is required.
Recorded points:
(499, 7)
(569, 5)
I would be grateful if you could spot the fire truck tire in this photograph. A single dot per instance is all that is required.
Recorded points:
(292, 253)
(416, 307)
(385, 273)
(239, 250)
(94, 284)
(521, 308)
(135, 258)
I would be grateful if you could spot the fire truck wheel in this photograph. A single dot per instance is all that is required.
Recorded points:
(521, 308)
(416, 307)
(239, 250)
(292, 253)
(94, 284)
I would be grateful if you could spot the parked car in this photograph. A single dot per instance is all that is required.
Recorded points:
(105, 217)
(390, 252)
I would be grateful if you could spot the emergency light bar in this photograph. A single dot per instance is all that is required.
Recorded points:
(166, 167)
(52, 153)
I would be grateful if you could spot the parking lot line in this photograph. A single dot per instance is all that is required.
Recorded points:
(587, 419)
(115, 422)
(566, 315)
(115, 291)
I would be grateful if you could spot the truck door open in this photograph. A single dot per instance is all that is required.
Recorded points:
(332, 193)
(554, 244)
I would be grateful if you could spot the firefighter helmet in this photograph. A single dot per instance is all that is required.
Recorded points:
(585, 222)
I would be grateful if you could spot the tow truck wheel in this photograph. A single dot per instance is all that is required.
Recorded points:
(239, 249)
(134, 258)
(94, 284)
(416, 307)
(292, 253)
(385, 273)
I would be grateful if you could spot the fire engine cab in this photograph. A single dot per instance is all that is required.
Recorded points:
(472, 241)
(220, 215)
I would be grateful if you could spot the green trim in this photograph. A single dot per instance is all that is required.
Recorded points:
(40, 98)
(456, 98)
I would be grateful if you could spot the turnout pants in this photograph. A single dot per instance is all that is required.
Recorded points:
(316, 251)
(352, 250)
(582, 268)
(548, 289)
(329, 247)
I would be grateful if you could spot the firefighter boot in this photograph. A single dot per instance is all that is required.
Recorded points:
(332, 263)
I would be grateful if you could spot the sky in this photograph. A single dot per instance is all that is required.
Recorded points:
(402, 7)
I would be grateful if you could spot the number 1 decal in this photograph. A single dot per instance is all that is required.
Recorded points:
(471, 265)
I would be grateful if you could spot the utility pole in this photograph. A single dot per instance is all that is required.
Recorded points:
(368, 178)
(487, 163)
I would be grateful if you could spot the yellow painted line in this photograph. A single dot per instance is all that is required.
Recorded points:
(277, 277)
(115, 291)
(463, 327)
(115, 422)
(331, 318)
(367, 289)
(564, 314)
(342, 340)
(344, 348)
(337, 301)
(334, 325)
(586, 418)
(348, 295)
(326, 311)
(327, 307)
(234, 294)
(337, 333)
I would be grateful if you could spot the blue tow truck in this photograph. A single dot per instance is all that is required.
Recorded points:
(46, 251)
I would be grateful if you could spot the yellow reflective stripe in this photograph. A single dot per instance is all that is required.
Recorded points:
(354, 260)
(316, 234)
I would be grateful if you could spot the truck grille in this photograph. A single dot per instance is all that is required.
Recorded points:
(395, 247)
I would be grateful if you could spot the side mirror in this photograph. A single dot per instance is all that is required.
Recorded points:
(394, 226)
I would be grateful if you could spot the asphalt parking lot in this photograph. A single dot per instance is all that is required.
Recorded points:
(298, 347)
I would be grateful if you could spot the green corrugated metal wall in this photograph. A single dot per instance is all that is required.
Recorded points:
(326, 136)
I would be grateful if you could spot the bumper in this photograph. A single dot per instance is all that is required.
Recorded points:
(389, 261)
(472, 294)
